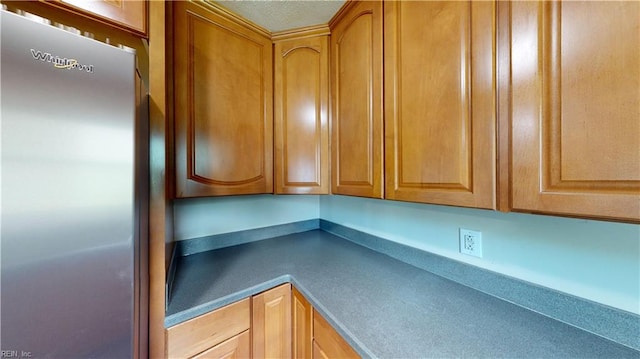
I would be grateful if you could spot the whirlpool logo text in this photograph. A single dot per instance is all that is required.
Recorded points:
(61, 62)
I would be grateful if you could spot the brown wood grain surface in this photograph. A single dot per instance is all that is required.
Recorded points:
(575, 116)
(440, 95)
(357, 97)
(223, 105)
(301, 104)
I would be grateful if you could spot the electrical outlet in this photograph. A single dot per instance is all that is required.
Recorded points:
(471, 242)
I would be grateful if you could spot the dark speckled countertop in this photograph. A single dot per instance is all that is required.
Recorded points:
(383, 307)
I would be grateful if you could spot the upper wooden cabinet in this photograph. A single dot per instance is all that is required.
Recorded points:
(129, 15)
(575, 108)
(356, 73)
(301, 103)
(440, 95)
(223, 104)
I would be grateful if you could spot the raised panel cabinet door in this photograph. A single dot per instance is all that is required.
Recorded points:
(575, 120)
(440, 93)
(302, 318)
(130, 15)
(357, 134)
(238, 347)
(327, 343)
(301, 115)
(223, 105)
(271, 323)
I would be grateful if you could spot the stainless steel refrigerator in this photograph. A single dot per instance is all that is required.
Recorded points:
(70, 195)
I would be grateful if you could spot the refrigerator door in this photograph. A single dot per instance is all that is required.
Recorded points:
(67, 194)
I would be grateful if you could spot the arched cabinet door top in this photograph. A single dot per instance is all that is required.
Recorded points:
(286, 52)
(350, 20)
(301, 103)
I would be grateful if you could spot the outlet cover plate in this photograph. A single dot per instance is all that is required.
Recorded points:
(471, 242)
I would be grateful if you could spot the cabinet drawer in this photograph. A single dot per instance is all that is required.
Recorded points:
(236, 347)
(327, 343)
(199, 334)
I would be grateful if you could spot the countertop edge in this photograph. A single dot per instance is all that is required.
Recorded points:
(204, 308)
(347, 335)
(196, 311)
(609, 323)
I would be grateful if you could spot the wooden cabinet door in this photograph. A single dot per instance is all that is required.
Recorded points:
(129, 15)
(238, 347)
(271, 323)
(575, 108)
(302, 318)
(357, 98)
(301, 115)
(327, 343)
(223, 105)
(440, 87)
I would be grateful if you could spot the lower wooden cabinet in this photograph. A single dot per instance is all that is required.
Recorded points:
(318, 352)
(277, 323)
(327, 343)
(313, 336)
(271, 323)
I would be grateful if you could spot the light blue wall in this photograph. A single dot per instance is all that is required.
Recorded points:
(596, 260)
(199, 217)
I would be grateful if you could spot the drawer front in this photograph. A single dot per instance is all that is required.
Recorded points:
(199, 334)
(236, 347)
